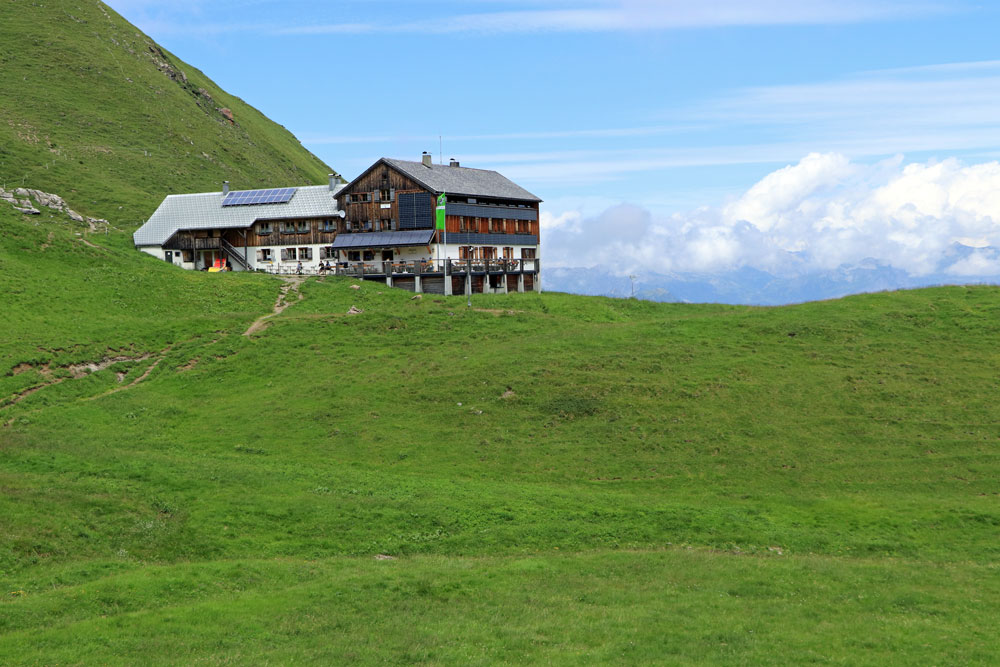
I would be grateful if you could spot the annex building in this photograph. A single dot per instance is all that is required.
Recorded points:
(421, 226)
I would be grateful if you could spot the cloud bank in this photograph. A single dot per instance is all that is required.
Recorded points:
(821, 213)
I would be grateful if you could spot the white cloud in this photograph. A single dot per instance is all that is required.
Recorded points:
(978, 264)
(823, 212)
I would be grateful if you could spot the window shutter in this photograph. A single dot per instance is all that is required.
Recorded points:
(284, 255)
(260, 255)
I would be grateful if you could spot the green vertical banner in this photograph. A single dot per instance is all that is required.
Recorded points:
(440, 211)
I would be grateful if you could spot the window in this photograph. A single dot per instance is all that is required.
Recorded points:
(360, 197)
(326, 252)
(508, 252)
(489, 252)
(305, 253)
(369, 255)
(287, 228)
(288, 254)
(527, 253)
(302, 226)
(328, 226)
(264, 228)
(265, 255)
(354, 255)
(385, 194)
(493, 225)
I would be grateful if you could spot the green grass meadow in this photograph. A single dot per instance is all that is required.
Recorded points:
(557, 479)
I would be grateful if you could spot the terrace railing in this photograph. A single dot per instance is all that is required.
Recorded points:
(381, 269)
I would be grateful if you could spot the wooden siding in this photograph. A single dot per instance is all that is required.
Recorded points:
(478, 225)
(382, 177)
(405, 283)
(253, 237)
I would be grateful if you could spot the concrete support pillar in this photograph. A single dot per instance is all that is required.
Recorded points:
(417, 287)
(520, 282)
(388, 280)
(447, 284)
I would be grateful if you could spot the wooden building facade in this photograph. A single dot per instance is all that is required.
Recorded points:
(383, 225)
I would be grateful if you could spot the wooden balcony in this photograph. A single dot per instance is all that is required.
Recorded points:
(177, 242)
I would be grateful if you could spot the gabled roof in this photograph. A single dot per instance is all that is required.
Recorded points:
(205, 211)
(440, 178)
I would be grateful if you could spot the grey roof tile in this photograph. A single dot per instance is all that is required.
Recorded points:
(205, 211)
(462, 180)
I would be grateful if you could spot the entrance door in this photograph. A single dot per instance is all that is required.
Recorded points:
(168, 256)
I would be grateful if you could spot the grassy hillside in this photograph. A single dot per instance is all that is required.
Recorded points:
(95, 111)
(555, 478)
(538, 478)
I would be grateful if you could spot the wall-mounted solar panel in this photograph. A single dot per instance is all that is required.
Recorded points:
(415, 210)
(248, 197)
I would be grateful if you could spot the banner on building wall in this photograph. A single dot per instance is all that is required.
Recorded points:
(440, 211)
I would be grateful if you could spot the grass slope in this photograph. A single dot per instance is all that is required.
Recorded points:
(95, 111)
(557, 478)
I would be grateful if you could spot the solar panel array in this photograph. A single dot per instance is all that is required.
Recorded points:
(248, 197)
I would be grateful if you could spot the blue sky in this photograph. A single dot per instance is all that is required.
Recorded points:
(692, 116)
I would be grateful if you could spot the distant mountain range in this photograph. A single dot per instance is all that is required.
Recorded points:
(750, 286)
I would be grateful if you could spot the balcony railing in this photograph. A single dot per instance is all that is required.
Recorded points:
(452, 267)
(189, 243)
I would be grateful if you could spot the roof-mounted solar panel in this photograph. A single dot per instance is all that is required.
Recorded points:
(249, 197)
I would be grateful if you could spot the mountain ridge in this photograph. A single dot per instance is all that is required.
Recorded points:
(113, 122)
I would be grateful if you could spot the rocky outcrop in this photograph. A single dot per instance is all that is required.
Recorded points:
(20, 199)
(163, 64)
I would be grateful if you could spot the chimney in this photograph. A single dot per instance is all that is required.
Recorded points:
(426, 159)
(333, 181)
(453, 163)
(225, 187)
